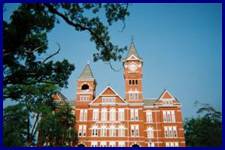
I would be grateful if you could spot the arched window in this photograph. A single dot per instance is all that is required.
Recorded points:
(84, 87)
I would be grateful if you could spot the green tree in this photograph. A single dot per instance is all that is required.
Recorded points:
(57, 127)
(14, 125)
(30, 75)
(206, 129)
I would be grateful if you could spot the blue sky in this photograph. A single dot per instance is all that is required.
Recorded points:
(181, 46)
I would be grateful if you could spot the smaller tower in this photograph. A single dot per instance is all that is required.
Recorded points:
(86, 85)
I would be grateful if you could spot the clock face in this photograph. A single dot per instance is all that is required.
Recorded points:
(132, 67)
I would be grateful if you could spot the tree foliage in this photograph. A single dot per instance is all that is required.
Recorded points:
(15, 125)
(206, 129)
(30, 75)
(57, 128)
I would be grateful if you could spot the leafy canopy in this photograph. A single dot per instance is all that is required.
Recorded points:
(31, 76)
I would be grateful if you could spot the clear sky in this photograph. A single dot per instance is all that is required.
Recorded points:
(181, 46)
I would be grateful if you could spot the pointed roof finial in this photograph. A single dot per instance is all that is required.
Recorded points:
(132, 50)
(88, 62)
(132, 38)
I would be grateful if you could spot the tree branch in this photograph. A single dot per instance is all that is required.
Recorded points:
(111, 66)
(53, 54)
(76, 25)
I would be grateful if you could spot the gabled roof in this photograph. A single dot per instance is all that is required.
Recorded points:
(108, 87)
(166, 95)
(132, 52)
(86, 74)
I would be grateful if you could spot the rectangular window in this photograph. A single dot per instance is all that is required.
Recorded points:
(121, 114)
(104, 114)
(112, 114)
(121, 132)
(170, 131)
(94, 144)
(173, 116)
(95, 131)
(83, 115)
(131, 114)
(82, 130)
(134, 114)
(84, 97)
(103, 132)
(169, 116)
(108, 100)
(103, 144)
(134, 130)
(149, 116)
(133, 96)
(172, 144)
(151, 144)
(95, 114)
(150, 132)
(121, 144)
(112, 144)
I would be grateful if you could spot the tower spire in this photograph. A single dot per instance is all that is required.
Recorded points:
(132, 50)
(86, 73)
(132, 39)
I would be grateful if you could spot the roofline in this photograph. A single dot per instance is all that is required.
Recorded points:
(104, 91)
(165, 90)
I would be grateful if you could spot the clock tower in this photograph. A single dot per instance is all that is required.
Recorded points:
(133, 75)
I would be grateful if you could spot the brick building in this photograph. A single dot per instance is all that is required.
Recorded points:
(109, 120)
